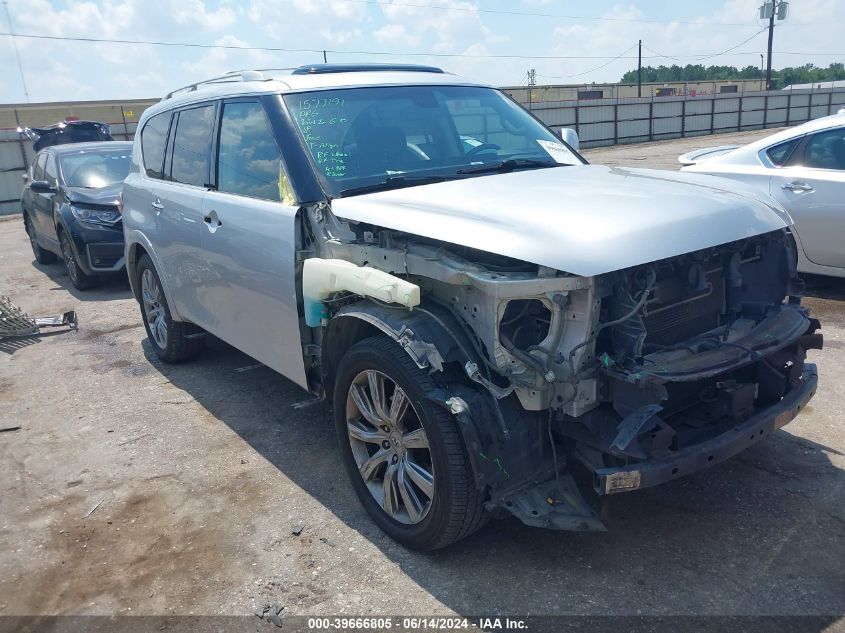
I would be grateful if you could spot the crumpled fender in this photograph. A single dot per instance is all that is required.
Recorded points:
(507, 461)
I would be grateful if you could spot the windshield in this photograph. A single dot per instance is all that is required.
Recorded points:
(361, 138)
(95, 169)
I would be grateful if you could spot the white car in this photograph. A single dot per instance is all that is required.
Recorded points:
(803, 168)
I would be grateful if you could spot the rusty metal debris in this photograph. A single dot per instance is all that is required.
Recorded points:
(14, 322)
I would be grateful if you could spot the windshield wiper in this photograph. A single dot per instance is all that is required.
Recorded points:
(509, 164)
(395, 182)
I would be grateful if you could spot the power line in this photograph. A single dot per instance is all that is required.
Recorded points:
(320, 51)
(15, 45)
(728, 50)
(534, 14)
(587, 72)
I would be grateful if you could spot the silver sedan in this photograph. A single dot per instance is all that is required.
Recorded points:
(803, 168)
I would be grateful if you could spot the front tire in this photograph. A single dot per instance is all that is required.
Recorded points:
(171, 340)
(42, 256)
(79, 279)
(403, 453)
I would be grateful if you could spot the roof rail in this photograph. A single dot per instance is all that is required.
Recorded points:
(230, 77)
(321, 69)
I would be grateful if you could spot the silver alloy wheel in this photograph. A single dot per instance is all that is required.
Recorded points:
(153, 308)
(390, 446)
(70, 260)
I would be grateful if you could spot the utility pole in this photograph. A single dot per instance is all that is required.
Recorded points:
(17, 54)
(771, 10)
(325, 60)
(532, 81)
(640, 70)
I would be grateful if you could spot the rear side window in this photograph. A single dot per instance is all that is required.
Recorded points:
(826, 150)
(249, 162)
(153, 139)
(192, 146)
(781, 152)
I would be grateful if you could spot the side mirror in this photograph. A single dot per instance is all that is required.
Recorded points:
(41, 186)
(570, 137)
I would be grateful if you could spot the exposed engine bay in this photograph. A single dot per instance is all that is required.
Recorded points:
(638, 376)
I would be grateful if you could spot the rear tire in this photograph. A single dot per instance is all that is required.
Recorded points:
(430, 499)
(168, 338)
(42, 256)
(79, 279)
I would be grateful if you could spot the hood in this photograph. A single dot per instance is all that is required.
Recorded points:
(102, 195)
(586, 220)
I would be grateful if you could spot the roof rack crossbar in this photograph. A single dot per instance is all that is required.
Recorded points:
(323, 69)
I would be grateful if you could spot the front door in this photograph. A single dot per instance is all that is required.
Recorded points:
(812, 192)
(248, 242)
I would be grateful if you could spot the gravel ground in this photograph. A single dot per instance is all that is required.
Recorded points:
(140, 488)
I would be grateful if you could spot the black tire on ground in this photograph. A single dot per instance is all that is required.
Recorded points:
(42, 256)
(79, 279)
(456, 510)
(179, 344)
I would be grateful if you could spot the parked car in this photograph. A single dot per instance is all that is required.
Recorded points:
(483, 318)
(67, 131)
(803, 168)
(70, 204)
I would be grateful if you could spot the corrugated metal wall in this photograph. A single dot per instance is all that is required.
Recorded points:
(603, 122)
(16, 153)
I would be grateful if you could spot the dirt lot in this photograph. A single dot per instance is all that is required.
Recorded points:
(139, 488)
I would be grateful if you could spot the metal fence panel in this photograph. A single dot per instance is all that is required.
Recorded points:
(609, 121)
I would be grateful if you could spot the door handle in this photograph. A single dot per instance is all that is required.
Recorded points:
(212, 221)
(797, 186)
(157, 205)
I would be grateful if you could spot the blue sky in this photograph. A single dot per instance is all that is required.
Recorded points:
(465, 35)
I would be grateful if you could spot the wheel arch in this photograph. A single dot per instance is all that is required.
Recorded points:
(137, 245)
(427, 343)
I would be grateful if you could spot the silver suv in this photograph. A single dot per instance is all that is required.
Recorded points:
(487, 314)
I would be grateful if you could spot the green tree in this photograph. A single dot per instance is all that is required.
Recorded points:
(808, 73)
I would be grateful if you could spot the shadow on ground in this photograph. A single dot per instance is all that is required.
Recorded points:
(760, 534)
(112, 286)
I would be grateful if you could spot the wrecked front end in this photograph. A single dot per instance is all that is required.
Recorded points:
(637, 376)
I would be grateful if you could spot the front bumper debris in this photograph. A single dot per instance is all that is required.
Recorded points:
(688, 460)
(14, 322)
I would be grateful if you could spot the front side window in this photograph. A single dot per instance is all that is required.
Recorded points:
(38, 168)
(50, 171)
(826, 150)
(192, 146)
(360, 137)
(94, 169)
(249, 162)
(781, 152)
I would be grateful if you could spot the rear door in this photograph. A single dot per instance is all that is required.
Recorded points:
(176, 201)
(812, 188)
(28, 197)
(248, 242)
(43, 202)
